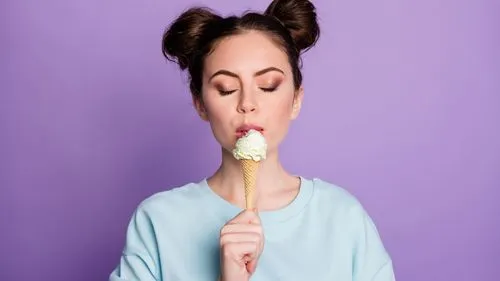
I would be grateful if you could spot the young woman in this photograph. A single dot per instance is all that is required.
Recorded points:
(244, 74)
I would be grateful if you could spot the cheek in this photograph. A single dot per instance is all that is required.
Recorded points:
(282, 113)
(281, 108)
(219, 114)
(212, 106)
(278, 116)
(219, 110)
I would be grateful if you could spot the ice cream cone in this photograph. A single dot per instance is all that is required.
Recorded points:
(249, 168)
(250, 149)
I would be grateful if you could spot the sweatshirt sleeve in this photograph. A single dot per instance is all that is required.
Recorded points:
(371, 261)
(139, 258)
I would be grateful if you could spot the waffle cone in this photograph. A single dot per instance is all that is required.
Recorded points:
(249, 168)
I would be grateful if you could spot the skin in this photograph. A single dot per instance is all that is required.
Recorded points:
(247, 79)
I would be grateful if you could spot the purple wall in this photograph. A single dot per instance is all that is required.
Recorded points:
(402, 108)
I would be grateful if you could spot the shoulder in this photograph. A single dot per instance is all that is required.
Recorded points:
(347, 212)
(371, 260)
(339, 204)
(333, 195)
(174, 200)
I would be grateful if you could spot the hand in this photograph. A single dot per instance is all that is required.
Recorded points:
(241, 244)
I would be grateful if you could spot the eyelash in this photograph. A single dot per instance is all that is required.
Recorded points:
(225, 93)
(267, 90)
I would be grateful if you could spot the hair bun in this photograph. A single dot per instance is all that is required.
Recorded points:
(299, 17)
(181, 40)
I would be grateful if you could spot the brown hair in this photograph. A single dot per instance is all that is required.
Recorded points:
(192, 36)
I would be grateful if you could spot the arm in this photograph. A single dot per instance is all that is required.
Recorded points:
(139, 259)
(371, 262)
(386, 273)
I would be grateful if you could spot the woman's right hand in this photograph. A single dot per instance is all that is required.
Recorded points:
(241, 244)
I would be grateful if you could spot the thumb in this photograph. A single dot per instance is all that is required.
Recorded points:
(254, 216)
(251, 266)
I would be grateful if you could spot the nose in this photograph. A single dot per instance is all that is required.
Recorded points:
(247, 103)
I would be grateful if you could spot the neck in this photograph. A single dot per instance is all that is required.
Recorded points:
(272, 179)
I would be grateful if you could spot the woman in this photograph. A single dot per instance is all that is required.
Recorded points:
(244, 74)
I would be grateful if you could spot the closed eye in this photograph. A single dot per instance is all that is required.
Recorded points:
(225, 93)
(272, 89)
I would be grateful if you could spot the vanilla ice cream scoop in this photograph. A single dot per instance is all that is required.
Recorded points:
(252, 146)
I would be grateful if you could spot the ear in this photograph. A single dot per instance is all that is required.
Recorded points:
(297, 103)
(200, 108)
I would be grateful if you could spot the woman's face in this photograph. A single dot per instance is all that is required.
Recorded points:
(248, 83)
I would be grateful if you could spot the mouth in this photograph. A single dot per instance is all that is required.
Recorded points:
(243, 130)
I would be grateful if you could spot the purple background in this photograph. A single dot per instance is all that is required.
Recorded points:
(401, 108)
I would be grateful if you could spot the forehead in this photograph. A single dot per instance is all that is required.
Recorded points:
(247, 52)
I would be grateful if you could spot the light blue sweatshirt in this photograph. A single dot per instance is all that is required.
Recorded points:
(323, 235)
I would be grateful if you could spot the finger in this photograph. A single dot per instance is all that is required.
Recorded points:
(251, 266)
(254, 218)
(240, 251)
(243, 216)
(240, 237)
(241, 228)
(246, 216)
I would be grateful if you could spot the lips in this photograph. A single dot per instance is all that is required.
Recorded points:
(242, 130)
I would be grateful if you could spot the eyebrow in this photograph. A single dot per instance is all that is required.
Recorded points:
(258, 73)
